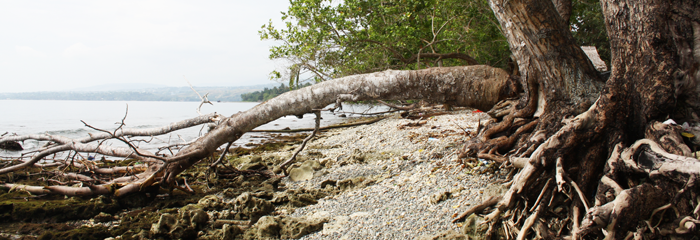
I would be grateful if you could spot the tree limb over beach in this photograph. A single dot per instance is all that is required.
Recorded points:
(590, 154)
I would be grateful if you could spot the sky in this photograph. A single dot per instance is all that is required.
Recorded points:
(61, 45)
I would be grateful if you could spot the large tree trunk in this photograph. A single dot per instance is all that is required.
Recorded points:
(654, 76)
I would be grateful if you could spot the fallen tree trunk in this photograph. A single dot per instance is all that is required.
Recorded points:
(474, 86)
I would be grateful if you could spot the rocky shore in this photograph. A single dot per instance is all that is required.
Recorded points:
(413, 186)
(394, 179)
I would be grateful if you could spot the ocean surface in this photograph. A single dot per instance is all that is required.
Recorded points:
(63, 118)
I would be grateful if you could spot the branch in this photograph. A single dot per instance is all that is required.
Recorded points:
(203, 98)
(303, 144)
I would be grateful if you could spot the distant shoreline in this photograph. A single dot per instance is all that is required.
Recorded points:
(167, 94)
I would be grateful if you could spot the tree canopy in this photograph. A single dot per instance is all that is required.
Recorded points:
(332, 39)
(328, 39)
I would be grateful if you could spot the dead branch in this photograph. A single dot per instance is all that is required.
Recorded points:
(303, 144)
(203, 98)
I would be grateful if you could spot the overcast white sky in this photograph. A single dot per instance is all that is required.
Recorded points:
(59, 45)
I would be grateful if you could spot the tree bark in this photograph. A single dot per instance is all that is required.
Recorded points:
(654, 76)
(475, 86)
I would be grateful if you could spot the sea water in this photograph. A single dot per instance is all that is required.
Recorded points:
(63, 118)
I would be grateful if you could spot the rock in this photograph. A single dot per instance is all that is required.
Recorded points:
(298, 227)
(337, 225)
(302, 199)
(251, 206)
(351, 183)
(267, 227)
(474, 227)
(313, 164)
(253, 166)
(103, 217)
(439, 197)
(227, 232)
(301, 173)
(230, 232)
(283, 227)
(164, 224)
(446, 235)
(11, 146)
(211, 202)
(199, 217)
(494, 190)
(328, 182)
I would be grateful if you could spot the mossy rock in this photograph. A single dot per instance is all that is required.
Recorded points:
(252, 206)
(86, 233)
(283, 227)
(59, 210)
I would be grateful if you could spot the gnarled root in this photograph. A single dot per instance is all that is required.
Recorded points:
(667, 177)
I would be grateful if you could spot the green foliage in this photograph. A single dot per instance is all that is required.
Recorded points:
(588, 27)
(330, 39)
(269, 93)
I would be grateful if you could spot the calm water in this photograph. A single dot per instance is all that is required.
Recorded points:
(63, 118)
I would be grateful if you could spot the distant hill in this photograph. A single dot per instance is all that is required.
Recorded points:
(103, 93)
(123, 87)
(267, 93)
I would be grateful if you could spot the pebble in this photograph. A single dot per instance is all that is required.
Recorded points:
(410, 164)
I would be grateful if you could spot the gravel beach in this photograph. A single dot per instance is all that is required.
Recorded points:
(414, 183)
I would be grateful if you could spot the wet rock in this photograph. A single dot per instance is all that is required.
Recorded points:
(439, 197)
(103, 217)
(11, 146)
(301, 173)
